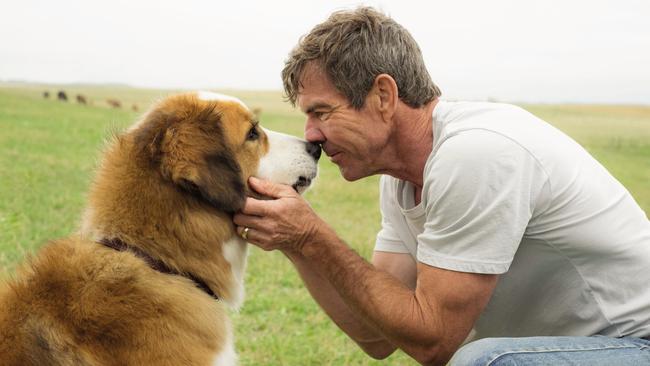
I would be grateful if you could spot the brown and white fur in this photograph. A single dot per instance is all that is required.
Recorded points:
(168, 186)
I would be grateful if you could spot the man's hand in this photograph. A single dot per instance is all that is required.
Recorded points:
(286, 222)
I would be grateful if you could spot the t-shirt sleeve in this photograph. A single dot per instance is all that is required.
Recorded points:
(479, 187)
(387, 238)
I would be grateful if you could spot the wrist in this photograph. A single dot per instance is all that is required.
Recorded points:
(319, 241)
(292, 254)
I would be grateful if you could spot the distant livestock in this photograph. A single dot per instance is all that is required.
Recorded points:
(81, 99)
(114, 103)
(134, 108)
(62, 96)
(46, 94)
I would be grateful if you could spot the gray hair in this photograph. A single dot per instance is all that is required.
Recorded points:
(353, 47)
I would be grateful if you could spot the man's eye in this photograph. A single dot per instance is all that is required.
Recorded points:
(320, 115)
(252, 134)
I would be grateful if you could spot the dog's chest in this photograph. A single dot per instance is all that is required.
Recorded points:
(235, 251)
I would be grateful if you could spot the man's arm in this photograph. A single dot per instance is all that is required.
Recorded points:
(428, 322)
(401, 266)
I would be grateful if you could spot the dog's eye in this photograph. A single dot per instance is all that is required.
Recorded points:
(252, 134)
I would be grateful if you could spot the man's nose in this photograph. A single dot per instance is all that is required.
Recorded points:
(312, 132)
(314, 150)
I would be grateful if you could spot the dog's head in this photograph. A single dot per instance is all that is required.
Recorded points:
(209, 144)
(168, 184)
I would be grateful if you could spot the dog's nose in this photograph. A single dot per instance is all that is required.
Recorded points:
(313, 150)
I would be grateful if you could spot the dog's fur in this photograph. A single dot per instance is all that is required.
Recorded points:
(167, 186)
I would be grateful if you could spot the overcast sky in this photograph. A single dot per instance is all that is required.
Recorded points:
(589, 51)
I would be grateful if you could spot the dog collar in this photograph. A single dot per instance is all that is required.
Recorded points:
(155, 264)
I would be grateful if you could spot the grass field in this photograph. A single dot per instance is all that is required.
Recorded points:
(48, 151)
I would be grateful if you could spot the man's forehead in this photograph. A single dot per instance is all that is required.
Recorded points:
(315, 90)
(308, 102)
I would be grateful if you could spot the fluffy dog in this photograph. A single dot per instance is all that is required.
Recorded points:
(157, 262)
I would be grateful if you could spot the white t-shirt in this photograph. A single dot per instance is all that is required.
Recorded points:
(506, 193)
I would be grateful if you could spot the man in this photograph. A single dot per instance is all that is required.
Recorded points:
(494, 224)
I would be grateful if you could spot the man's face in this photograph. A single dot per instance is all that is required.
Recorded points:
(353, 139)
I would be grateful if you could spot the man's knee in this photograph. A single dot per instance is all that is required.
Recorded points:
(483, 352)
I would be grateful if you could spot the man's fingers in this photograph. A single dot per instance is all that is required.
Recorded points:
(270, 189)
(256, 237)
(244, 220)
(244, 231)
(255, 207)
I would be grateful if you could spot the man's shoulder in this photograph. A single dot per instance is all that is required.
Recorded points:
(467, 111)
(477, 105)
(508, 121)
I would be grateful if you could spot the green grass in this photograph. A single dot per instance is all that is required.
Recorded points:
(48, 151)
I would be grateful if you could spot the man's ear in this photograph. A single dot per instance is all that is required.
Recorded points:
(217, 180)
(385, 88)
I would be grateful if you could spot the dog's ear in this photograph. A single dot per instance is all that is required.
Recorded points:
(149, 136)
(196, 160)
(216, 180)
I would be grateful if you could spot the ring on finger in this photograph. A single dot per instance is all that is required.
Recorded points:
(244, 233)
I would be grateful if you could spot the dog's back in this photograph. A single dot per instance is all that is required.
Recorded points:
(80, 303)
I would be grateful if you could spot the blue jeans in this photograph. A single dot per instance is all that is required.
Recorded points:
(587, 351)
